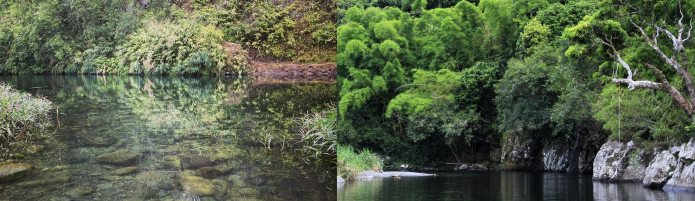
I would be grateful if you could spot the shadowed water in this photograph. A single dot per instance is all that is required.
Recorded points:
(500, 186)
(172, 138)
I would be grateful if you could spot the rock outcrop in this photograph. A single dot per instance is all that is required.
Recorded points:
(610, 160)
(556, 157)
(659, 170)
(672, 169)
(522, 153)
(683, 178)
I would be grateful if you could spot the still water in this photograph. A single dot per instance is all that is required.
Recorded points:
(500, 186)
(172, 138)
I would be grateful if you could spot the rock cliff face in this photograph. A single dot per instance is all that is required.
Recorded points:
(610, 160)
(671, 169)
(558, 155)
(683, 177)
(522, 153)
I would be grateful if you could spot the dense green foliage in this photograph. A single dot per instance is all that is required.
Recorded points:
(23, 120)
(437, 83)
(159, 36)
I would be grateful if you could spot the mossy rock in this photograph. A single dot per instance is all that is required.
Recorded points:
(14, 171)
(249, 191)
(80, 191)
(194, 162)
(208, 172)
(120, 157)
(124, 171)
(197, 186)
(173, 162)
(46, 180)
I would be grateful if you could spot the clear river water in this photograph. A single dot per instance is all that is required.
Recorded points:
(503, 186)
(172, 138)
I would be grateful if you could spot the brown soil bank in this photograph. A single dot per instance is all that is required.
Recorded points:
(293, 72)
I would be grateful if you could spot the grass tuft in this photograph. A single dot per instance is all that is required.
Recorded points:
(351, 163)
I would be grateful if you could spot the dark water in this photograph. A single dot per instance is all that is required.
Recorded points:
(500, 186)
(192, 139)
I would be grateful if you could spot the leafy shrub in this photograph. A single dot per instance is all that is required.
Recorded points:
(185, 47)
(22, 119)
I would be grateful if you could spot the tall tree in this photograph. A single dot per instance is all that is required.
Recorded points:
(653, 21)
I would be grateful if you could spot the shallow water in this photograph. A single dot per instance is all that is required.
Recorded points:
(173, 129)
(505, 186)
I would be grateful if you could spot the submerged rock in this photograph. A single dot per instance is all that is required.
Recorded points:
(249, 191)
(124, 171)
(80, 191)
(197, 186)
(14, 171)
(208, 172)
(120, 157)
(257, 181)
(659, 171)
(146, 192)
(51, 179)
(194, 162)
(99, 141)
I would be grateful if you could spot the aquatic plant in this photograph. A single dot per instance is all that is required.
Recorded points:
(23, 118)
(318, 131)
(351, 163)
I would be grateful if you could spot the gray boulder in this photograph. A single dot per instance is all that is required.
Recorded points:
(341, 180)
(610, 160)
(683, 178)
(659, 170)
(636, 165)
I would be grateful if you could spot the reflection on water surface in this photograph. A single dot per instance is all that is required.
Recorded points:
(172, 138)
(503, 186)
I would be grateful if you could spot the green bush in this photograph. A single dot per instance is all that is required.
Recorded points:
(23, 118)
(182, 48)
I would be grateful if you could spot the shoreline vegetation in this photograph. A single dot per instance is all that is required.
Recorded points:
(162, 37)
(529, 85)
(23, 122)
(351, 163)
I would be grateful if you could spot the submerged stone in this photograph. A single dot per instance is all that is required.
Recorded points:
(99, 141)
(237, 181)
(257, 181)
(120, 157)
(197, 186)
(249, 191)
(146, 192)
(208, 172)
(14, 171)
(80, 191)
(194, 162)
(124, 171)
(45, 181)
